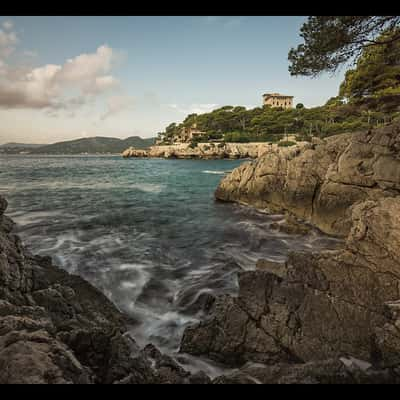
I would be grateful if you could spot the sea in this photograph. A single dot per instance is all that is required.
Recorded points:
(147, 232)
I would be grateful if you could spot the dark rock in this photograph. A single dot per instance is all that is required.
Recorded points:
(3, 205)
(330, 371)
(57, 328)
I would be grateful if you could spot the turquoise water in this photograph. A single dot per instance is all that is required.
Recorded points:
(145, 231)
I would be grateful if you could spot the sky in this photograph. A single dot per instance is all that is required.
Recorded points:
(63, 78)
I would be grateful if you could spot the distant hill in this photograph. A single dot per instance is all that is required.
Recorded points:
(16, 148)
(19, 145)
(94, 145)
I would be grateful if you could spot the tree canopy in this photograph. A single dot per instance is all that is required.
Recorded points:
(330, 41)
(260, 124)
(377, 73)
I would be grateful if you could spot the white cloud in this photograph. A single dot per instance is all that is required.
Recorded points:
(117, 104)
(85, 67)
(8, 25)
(46, 86)
(194, 108)
(100, 84)
(8, 41)
(30, 53)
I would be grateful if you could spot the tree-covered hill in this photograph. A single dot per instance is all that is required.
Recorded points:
(369, 95)
(236, 124)
(94, 145)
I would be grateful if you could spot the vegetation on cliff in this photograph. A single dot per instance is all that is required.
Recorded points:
(368, 97)
(266, 124)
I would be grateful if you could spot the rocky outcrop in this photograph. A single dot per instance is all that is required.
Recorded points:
(203, 150)
(316, 308)
(331, 371)
(320, 181)
(132, 152)
(57, 328)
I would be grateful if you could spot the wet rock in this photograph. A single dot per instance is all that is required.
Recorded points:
(291, 226)
(316, 306)
(200, 303)
(278, 269)
(331, 371)
(57, 328)
(3, 205)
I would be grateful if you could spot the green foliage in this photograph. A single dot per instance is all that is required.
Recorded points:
(330, 41)
(286, 143)
(376, 76)
(299, 106)
(303, 138)
(94, 145)
(236, 137)
(270, 124)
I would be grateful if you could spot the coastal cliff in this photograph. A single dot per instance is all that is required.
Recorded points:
(203, 150)
(57, 328)
(320, 182)
(302, 320)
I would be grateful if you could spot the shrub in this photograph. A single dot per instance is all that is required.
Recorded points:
(303, 138)
(286, 143)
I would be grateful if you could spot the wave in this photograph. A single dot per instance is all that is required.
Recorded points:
(147, 187)
(60, 185)
(215, 172)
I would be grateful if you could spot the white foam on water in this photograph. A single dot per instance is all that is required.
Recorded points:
(138, 282)
(87, 185)
(147, 187)
(27, 218)
(214, 172)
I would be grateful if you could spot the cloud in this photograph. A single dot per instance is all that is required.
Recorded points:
(116, 104)
(8, 42)
(8, 25)
(30, 53)
(194, 108)
(100, 84)
(46, 86)
(87, 67)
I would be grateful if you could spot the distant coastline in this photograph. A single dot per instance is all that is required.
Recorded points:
(84, 146)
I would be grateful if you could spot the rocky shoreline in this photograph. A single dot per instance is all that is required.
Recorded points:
(328, 317)
(318, 310)
(205, 151)
(57, 328)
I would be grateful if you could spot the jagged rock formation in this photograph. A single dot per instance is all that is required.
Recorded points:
(203, 150)
(319, 182)
(322, 306)
(57, 328)
(331, 371)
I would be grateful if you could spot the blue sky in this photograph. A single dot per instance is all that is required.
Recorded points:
(134, 75)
